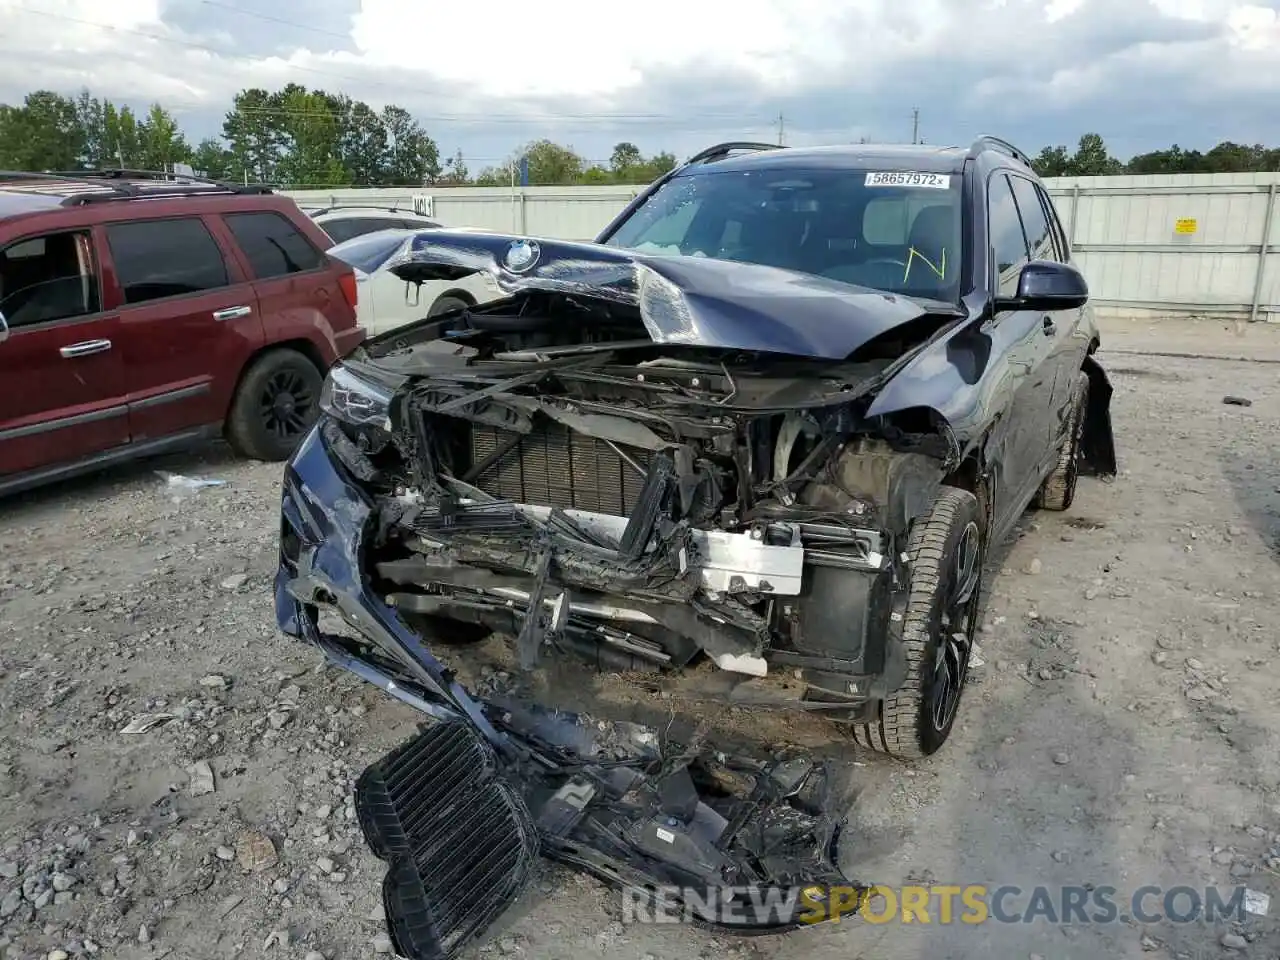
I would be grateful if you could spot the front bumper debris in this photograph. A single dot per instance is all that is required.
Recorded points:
(461, 812)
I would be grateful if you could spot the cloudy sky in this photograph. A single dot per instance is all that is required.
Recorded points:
(676, 74)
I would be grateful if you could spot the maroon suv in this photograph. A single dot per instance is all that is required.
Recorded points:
(140, 313)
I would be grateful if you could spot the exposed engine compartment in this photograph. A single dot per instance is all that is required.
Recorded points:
(650, 503)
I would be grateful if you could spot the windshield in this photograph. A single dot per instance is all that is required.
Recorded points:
(888, 231)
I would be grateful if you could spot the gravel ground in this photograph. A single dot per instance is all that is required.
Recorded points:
(1123, 731)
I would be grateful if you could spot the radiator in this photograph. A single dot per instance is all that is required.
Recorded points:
(556, 467)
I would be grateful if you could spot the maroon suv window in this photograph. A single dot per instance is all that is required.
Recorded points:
(165, 258)
(273, 245)
(47, 278)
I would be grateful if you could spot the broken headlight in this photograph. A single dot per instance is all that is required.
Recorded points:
(355, 400)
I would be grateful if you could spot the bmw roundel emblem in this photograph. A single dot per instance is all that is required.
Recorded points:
(521, 255)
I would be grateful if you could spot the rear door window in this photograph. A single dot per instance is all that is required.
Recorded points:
(53, 277)
(348, 227)
(165, 258)
(273, 245)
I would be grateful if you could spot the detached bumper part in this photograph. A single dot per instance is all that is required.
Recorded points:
(460, 825)
(459, 843)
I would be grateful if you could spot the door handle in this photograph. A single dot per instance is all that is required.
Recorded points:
(1050, 328)
(84, 348)
(232, 313)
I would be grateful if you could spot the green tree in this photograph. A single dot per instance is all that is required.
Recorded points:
(1052, 162)
(125, 134)
(42, 134)
(309, 132)
(656, 166)
(500, 176)
(212, 159)
(1173, 160)
(1092, 160)
(455, 173)
(364, 143)
(412, 157)
(160, 142)
(253, 135)
(91, 116)
(1228, 157)
(550, 163)
(625, 157)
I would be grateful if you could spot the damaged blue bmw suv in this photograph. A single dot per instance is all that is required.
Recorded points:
(769, 424)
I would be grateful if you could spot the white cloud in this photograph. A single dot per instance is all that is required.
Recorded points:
(697, 69)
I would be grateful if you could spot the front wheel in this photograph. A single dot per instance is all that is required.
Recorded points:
(946, 552)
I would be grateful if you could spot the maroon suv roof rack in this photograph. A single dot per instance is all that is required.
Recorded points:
(96, 186)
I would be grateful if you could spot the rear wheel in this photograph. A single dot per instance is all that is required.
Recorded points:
(276, 403)
(946, 551)
(445, 305)
(1059, 488)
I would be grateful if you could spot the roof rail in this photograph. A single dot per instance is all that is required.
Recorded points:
(115, 191)
(113, 185)
(394, 208)
(722, 150)
(164, 176)
(1004, 146)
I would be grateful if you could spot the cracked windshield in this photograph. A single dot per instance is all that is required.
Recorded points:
(856, 226)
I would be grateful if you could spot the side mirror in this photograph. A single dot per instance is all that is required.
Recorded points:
(1047, 285)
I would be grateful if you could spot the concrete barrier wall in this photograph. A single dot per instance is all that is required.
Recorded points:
(1183, 245)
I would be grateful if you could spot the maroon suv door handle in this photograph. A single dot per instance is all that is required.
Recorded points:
(232, 313)
(84, 348)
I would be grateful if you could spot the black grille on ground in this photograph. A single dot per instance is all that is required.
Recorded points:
(556, 467)
(459, 842)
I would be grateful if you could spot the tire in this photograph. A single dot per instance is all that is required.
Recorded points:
(445, 304)
(1059, 488)
(276, 403)
(916, 719)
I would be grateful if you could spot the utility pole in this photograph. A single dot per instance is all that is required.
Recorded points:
(782, 130)
(915, 125)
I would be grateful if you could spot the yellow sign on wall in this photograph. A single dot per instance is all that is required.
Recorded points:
(1186, 225)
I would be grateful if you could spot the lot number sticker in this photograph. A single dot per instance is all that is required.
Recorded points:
(1185, 225)
(899, 178)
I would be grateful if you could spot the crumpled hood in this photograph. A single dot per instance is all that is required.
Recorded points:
(682, 300)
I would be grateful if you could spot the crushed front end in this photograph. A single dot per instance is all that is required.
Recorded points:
(675, 469)
(461, 812)
(637, 507)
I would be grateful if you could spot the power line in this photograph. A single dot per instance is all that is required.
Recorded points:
(288, 23)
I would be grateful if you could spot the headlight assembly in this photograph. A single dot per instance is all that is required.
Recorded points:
(356, 401)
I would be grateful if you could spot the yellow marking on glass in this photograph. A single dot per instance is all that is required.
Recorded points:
(912, 253)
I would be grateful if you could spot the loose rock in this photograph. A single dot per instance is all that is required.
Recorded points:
(201, 775)
(255, 851)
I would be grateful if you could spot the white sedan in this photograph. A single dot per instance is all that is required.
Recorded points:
(384, 301)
